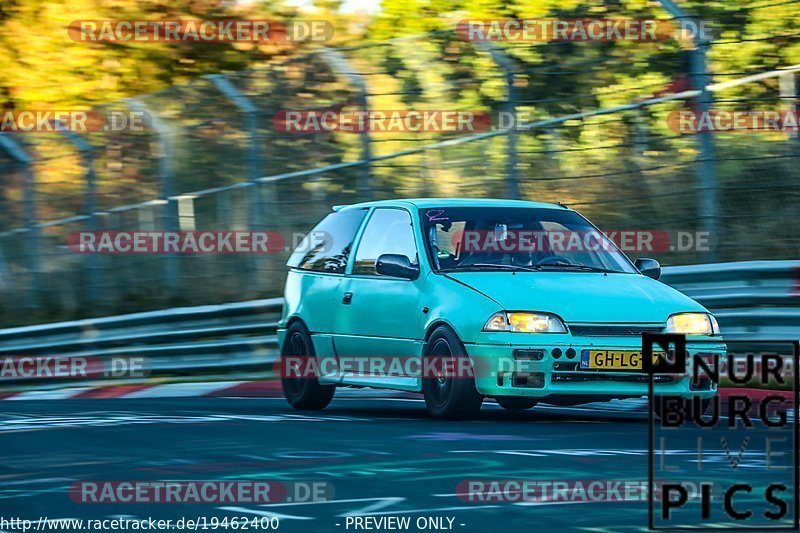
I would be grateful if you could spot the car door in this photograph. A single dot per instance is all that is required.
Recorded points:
(381, 315)
(314, 284)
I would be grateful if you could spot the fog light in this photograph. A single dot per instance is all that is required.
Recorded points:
(556, 353)
(534, 380)
(529, 355)
(570, 353)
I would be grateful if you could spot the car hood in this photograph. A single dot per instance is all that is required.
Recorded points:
(581, 296)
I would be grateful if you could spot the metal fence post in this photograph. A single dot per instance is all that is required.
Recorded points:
(552, 146)
(507, 66)
(341, 66)
(169, 215)
(790, 96)
(707, 189)
(640, 133)
(90, 205)
(32, 251)
(708, 180)
(250, 112)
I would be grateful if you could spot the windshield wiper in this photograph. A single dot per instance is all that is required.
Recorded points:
(581, 267)
(489, 266)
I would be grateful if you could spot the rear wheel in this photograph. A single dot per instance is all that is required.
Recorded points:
(515, 404)
(303, 392)
(448, 396)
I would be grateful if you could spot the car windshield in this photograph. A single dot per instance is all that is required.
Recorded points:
(517, 239)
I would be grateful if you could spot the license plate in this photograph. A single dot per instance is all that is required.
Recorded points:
(614, 359)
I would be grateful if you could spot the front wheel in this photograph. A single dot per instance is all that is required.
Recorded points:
(449, 397)
(303, 392)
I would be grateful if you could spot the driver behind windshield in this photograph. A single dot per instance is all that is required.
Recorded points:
(466, 238)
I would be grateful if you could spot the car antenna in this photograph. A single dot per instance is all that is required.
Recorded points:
(562, 205)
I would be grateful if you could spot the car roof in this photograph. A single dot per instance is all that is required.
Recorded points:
(424, 203)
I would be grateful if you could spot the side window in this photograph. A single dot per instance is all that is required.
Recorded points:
(327, 247)
(388, 232)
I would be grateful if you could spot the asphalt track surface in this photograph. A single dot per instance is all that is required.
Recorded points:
(384, 457)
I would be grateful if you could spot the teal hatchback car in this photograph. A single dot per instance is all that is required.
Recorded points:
(517, 301)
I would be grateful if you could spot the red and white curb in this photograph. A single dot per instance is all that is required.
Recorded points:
(258, 389)
(212, 389)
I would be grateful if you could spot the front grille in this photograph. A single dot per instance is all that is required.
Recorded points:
(613, 331)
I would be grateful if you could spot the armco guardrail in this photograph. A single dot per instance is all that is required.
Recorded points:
(207, 339)
(752, 300)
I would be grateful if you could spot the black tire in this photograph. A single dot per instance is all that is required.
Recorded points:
(453, 398)
(303, 392)
(687, 407)
(515, 404)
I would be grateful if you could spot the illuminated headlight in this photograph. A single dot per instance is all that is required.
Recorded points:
(693, 324)
(525, 323)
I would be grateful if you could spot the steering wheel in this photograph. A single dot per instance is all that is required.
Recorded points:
(554, 260)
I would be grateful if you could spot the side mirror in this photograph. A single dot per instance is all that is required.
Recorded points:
(396, 266)
(649, 267)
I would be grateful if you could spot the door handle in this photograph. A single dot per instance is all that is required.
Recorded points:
(348, 297)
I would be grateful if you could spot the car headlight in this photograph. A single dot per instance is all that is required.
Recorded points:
(525, 322)
(693, 324)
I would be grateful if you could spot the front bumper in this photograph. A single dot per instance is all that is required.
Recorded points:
(540, 375)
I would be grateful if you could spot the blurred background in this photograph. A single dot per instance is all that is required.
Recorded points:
(211, 158)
